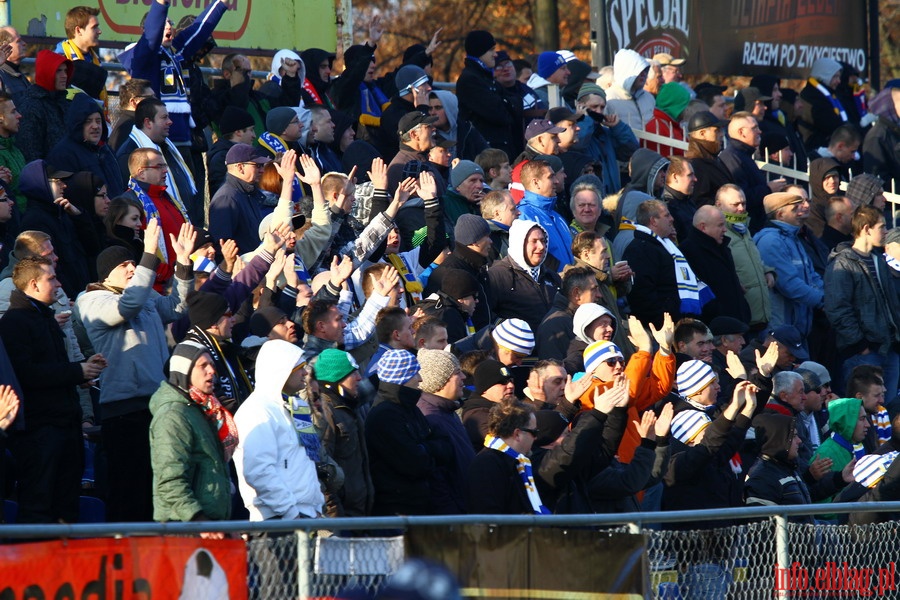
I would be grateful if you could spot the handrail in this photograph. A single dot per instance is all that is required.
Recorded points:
(376, 523)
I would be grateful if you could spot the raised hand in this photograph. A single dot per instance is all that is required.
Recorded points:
(664, 420)
(406, 189)
(637, 335)
(341, 271)
(345, 197)
(434, 43)
(766, 362)
(576, 389)
(183, 245)
(287, 166)
(229, 254)
(379, 174)
(151, 236)
(735, 367)
(645, 426)
(820, 467)
(311, 174)
(387, 282)
(749, 391)
(665, 336)
(275, 269)
(427, 186)
(9, 406)
(274, 238)
(376, 30)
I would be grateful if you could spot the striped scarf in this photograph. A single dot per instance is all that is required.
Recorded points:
(220, 417)
(892, 262)
(306, 432)
(371, 102)
(73, 52)
(835, 104)
(857, 450)
(694, 293)
(882, 422)
(142, 141)
(523, 466)
(153, 213)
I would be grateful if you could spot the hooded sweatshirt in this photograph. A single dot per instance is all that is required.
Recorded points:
(539, 209)
(315, 86)
(645, 165)
(43, 108)
(73, 153)
(671, 101)
(276, 477)
(635, 109)
(843, 415)
(819, 200)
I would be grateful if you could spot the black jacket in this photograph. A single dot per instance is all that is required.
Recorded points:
(881, 150)
(41, 364)
(655, 289)
(475, 413)
(216, 170)
(483, 104)
(495, 487)
(738, 159)
(710, 172)
(473, 263)
(714, 265)
(513, 293)
(821, 121)
(344, 440)
(682, 208)
(386, 137)
(553, 336)
(614, 489)
(700, 476)
(402, 452)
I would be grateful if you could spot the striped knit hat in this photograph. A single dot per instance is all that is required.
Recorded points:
(181, 363)
(870, 469)
(599, 352)
(688, 424)
(397, 366)
(515, 335)
(693, 377)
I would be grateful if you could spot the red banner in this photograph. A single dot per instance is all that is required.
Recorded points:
(131, 568)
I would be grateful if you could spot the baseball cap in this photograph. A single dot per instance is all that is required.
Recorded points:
(245, 153)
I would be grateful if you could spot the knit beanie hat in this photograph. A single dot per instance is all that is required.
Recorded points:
(234, 118)
(515, 335)
(599, 352)
(688, 424)
(488, 374)
(111, 258)
(672, 99)
(205, 309)
(333, 365)
(870, 469)
(548, 62)
(590, 88)
(892, 236)
(824, 69)
(265, 319)
(693, 377)
(278, 119)
(438, 367)
(408, 77)
(397, 366)
(470, 228)
(478, 42)
(462, 171)
(820, 371)
(181, 363)
(459, 284)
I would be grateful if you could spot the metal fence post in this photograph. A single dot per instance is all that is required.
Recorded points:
(782, 556)
(304, 563)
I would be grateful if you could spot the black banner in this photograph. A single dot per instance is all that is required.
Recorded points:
(743, 37)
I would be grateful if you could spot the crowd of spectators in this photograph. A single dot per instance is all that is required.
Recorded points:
(364, 296)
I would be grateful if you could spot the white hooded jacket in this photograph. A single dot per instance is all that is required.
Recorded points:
(276, 477)
(634, 110)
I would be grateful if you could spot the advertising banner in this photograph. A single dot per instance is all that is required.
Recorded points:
(743, 37)
(517, 562)
(248, 24)
(139, 568)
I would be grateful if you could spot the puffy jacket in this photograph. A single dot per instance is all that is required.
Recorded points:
(128, 328)
(276, 477)
(540, 210)
(637, 109)
(798, 289)
(863, 314)
(74, 153)
(190, 475)
(751, 272)
(344, 439)
(43, 108)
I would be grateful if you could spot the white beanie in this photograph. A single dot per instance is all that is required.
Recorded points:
(693, 377)
(688, 424)
(515, 335)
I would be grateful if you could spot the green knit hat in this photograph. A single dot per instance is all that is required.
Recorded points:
(333, 365)
(672, 99)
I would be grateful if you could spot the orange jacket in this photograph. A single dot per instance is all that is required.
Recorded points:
(647, 385)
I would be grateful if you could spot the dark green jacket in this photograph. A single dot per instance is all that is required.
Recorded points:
(190, 475)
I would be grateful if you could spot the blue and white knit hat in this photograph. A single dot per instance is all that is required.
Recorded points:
(515, 335)
(870, 469)
(693, 377)
(688, 424)
(599, 352)
(397, 366)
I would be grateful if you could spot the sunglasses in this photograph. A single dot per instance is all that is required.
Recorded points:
(533, 432)
(611, 362)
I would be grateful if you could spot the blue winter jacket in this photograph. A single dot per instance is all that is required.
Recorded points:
(798, 288)
(540, 209)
